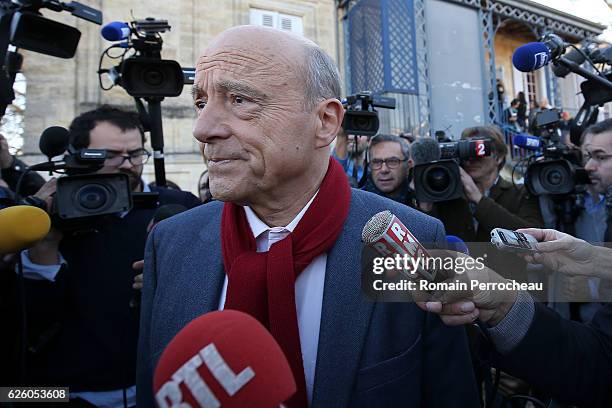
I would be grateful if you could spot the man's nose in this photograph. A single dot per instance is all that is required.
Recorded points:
(590, 165)
(211, 123)
(127, 164)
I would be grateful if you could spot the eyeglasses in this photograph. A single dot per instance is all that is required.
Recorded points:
(392, 162)
(136, 158)
(597, 158)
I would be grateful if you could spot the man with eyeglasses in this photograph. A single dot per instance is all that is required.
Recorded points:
(594, 220)
(389, 163)
(82, 330)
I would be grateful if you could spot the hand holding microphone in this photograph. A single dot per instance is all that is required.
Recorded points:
(223, 359)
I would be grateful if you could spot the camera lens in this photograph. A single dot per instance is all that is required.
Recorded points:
(437, 179)
(92, 197)
(153, 77)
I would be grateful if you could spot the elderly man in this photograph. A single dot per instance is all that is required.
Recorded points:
(283, 243)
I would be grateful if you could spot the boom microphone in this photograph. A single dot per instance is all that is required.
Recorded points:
(223, 359)
(388, 236)
(535, 55)
(116, 31)
(21, 226)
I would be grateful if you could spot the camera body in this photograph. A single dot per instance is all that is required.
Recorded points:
(559, 171)
(440, 180)
(82, 194)
(360, 117)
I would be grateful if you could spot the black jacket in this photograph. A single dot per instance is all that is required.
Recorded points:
(82, 330)
(567, 360)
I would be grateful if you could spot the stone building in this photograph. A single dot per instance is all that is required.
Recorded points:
(58, 90)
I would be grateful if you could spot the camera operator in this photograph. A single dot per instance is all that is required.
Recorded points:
(567, 360)
(592, 223)
(389, 163)
(350, 152)
(490, 201)
(82, 332)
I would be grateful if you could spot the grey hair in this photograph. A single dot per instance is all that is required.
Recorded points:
(321, 75)
(390, 138)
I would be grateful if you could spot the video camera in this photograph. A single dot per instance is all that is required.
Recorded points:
(23, 26)
(440, 180)
(558, 170)
(81, 195)
(144, 73)
(361, 118)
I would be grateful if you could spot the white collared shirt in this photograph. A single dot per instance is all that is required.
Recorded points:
(308, 290)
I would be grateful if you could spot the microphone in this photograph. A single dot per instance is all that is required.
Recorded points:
(54, 141)
(535, 55)
(424, 150)
(116, 31)
(456, 244)
(21, 226)
(527, 141)
(388, 236)
(223, 359)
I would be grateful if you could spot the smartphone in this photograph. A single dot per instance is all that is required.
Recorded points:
(508, 240)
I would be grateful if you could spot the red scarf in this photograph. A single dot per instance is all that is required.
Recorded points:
(263, 284)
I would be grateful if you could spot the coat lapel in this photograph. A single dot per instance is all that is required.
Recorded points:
(212, 269)
(345, 316)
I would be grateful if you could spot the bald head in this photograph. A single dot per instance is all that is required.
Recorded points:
(293, 54)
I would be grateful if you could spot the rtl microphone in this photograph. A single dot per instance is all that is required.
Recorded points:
(223, 359)
(388, 236)
(535, 55)
(22, 226)
(527, 141)
(54, 141)
(116, 31)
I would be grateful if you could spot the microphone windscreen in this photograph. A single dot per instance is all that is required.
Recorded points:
(531, 56)
(21, 226)
(224, 358)
(456, 244)
(527, 141)
(116, 31)
(54, 141)
(424, 150)
(167, 211)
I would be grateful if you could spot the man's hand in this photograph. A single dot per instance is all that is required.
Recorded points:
(566, 254)
(5, 156)
(46, 192)
(138, 266)
(472, 193)
(462, 307)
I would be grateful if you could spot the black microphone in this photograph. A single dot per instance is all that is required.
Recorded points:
(54, 141)
(424, 150)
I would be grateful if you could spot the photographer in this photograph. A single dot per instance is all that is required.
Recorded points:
(569, 361)
(389, 163)
(82, 332)
(490, 201)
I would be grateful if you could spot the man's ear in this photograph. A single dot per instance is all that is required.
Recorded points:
(330, 113)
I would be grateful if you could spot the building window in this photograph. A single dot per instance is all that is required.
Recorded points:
(277, 20)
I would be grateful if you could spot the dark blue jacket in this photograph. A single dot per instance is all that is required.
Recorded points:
(369, 354)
